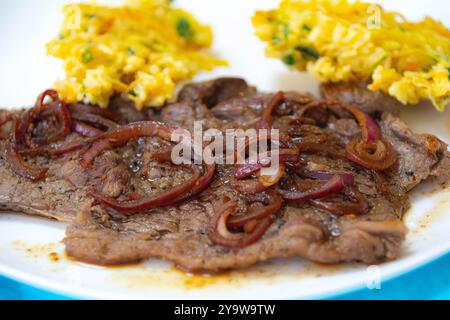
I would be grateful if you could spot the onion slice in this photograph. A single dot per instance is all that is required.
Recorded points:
(357, 205)
(264, 160)
(15, 160)
(85, 130)
(121, 135)
(277, 99)
(29, 116)
(95, 119)
(335, 184)
(370, 151)
(221, 235)
(274, 203)
(166, 198)
(377, 156)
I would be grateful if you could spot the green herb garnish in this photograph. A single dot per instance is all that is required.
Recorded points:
(286, 30)
(305, 27)
(308, 52)
(289, 59)
(132, 93)
(184, 28)
(130, 51)
(276, 40)
(87, 56)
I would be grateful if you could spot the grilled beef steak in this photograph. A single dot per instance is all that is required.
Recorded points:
(180, 232)
(361, 97)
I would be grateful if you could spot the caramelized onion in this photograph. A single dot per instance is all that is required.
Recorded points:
(271, 180)
(56, 152)
(357, 205)
(334, 185)
(7, 117)
(271, 204)
(88, 109)
(370, 151)
(85, 130)
(249, 186)
(15, 160)
(266, 121)
(376, 156)
(29, 116)
(97, 147)
(221, 235)
(166, 198)
(94, 119)
(121, 135)
(264, 160)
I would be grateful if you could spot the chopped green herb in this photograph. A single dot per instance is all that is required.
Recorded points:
(132, 93)
(130, 51)
(87, 56)
(60, 36)
(90, 15)
(305, 27)
(276, 40)
(448, 72)
(308, 52)
(289, 59)
(286, 30)
(184, 28)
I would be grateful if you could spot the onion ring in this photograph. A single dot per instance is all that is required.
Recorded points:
(15, 160)
(334, 185)
(220, 235)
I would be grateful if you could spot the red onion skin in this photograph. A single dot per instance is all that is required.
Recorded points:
(387, 162)
(15, 160)
(83, 109)
(370, 129)
(336, 184)
(121, 135)
(275, 204)
(236, 240)
(370, 135)
(164, 199)
(89, 155)
(246, 170)
(94, 119)
(266, 121)
(62, 113)
(347, 178)
(6, 118)
(56, 152)
(359, 204)
(85, 130)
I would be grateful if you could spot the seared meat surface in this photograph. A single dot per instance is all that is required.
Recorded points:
(361, 97)
(179, 232)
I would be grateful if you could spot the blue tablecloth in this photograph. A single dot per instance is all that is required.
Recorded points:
(431, 281)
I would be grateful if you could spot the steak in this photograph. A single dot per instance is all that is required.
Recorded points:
(179, 232)
(361, 97)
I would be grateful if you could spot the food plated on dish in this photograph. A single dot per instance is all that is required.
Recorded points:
(339, 196)
(96, 152)
(362, 44)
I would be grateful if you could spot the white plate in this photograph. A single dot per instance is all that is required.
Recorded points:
(26, 243)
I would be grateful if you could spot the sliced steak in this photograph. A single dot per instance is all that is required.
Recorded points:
(361, 97)
(179, 233)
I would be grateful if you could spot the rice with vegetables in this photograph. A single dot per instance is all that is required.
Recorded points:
(142, 50)
(342, 41)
